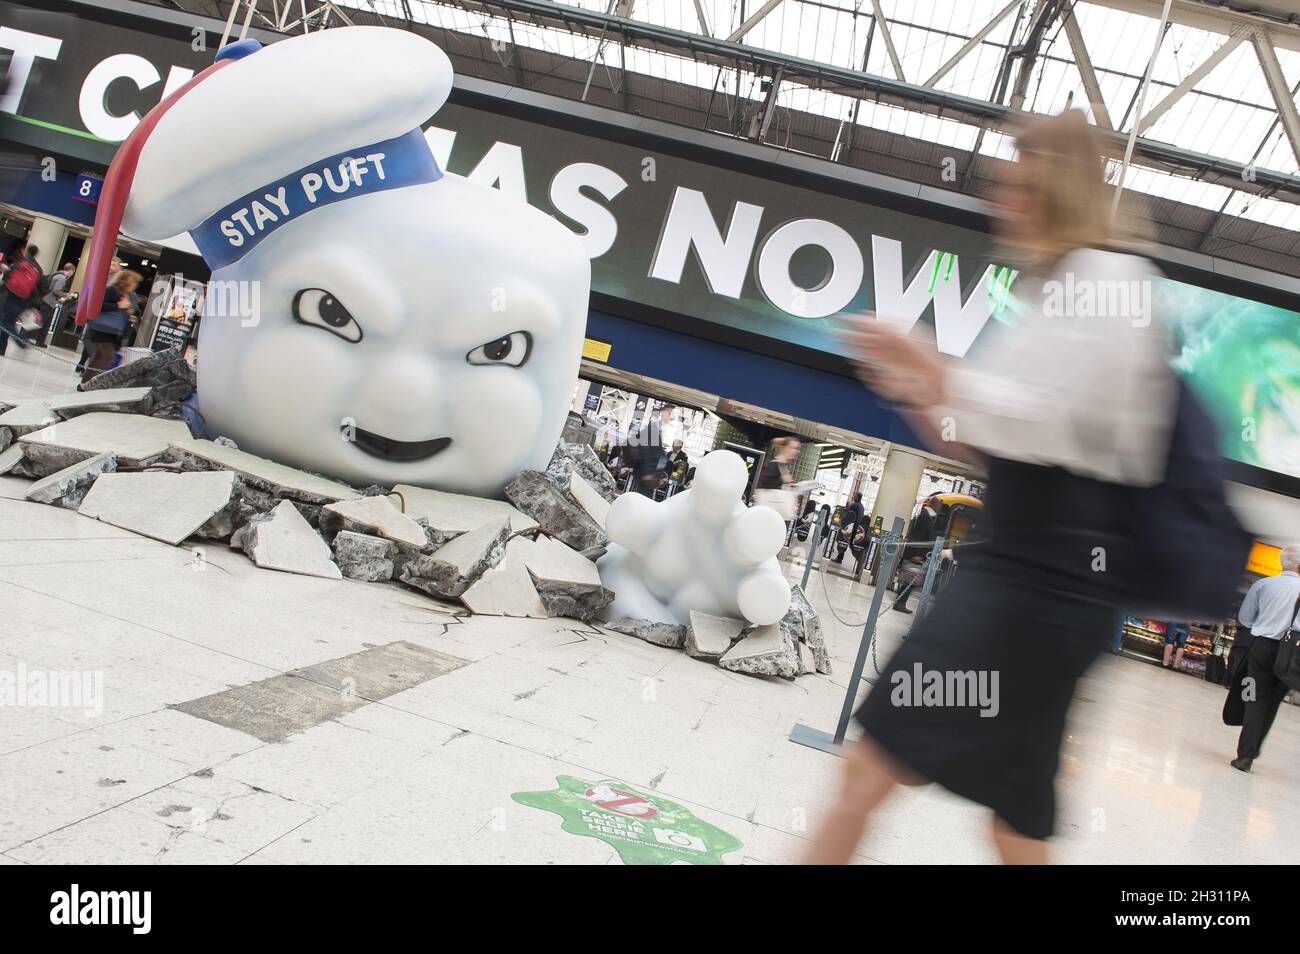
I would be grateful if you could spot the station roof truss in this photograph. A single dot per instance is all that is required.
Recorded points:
(1197, 98)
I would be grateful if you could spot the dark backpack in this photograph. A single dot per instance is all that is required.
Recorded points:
(23, 279)
(1188, 549)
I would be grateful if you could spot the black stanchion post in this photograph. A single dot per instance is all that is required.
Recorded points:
(931, 571)
(891, 548)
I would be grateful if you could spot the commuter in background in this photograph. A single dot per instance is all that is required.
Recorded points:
(104, 332)
(60, 285)
(920, 539)
(22, 282)
(1065, 412)
(1269, 610)
(776, 484)
(1176, 633)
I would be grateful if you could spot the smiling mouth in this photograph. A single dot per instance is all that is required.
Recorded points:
(386, 448)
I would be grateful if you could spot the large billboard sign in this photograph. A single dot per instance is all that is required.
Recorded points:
(744, 257)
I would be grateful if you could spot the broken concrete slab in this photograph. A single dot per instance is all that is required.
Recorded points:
(68, 487)
(764, 652)
(258, 473)
(362, 557)
(507, 589)
(807, 661)
(668, 635)
(589, 499)
(166, 374)
(132, 438)
(709, 636)
(27, 416)
(811, 629)
(284, 540)
(107, 400)
(159, 504)
(10, 458)
(378, 516)
(567, 582)
(588, 465)
(447, 515)
(454, 567)
(536, 495)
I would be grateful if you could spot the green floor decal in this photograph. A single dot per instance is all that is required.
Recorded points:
(643, 829)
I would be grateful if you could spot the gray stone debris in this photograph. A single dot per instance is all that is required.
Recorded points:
(225, 442)
(134, 439)
(258, 473)
(284, 540)
(379, 516)
(536, 495)
(447, 515)
(107, 400)
(68, 487)
(166, 374)
(506, 589)
(765, 652)
(588, 465)
(669, 635)
(560, 468)
(27, 416)
(362, 557)
(158, 504)
(567, 582)
(454, 567)
(810, 629)
(589, 499)
(10, 458)
(709, 637)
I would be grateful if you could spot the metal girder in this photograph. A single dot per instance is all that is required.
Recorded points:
(1141, 101)
(751, 22)
(1190, 81)
(1044, 15)
(889, 41)
(704, 21)
(1086, 73)
(1277, 85)
(1216, 16)
(973, 42)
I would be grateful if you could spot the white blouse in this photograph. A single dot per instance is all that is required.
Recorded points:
(1076, 376)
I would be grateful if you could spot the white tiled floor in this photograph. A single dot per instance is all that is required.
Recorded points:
(422, 775)
(427, 774)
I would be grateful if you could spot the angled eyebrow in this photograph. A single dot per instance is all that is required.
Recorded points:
(466, 325)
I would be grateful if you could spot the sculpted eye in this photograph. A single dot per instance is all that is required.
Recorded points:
(513, 350)
(315, 306)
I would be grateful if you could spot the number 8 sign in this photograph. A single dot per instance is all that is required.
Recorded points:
(87, 189)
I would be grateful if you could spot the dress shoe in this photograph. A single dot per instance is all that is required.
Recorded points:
(1242, 765)
(901, 609)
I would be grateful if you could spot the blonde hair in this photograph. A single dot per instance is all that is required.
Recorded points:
(123, 277)
(1063, 170)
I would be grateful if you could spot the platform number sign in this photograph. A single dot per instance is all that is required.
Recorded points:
(86, 189)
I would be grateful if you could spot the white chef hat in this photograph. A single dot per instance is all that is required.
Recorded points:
(265, 135)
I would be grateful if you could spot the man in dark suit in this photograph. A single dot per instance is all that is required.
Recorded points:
(923, 530)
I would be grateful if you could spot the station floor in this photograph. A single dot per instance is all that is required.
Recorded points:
(427, 775)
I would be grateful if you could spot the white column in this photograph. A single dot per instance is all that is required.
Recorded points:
(898, 485)
(48, 236)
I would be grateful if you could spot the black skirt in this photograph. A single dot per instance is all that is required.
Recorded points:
(977, 696)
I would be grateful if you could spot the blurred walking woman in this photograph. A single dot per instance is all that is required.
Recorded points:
(1062, 404)
(104, 332)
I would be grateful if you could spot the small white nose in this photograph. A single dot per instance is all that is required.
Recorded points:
(400, 396)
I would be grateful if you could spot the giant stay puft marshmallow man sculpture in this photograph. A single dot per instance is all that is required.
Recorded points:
(410, 326)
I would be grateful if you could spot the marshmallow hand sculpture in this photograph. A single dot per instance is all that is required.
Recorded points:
(702, 550)
(370, 317)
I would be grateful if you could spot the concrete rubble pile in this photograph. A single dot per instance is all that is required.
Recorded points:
(793, 646)
(115, 451)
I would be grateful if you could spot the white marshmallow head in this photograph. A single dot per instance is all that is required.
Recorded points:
(428, 336)
(428, 331)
